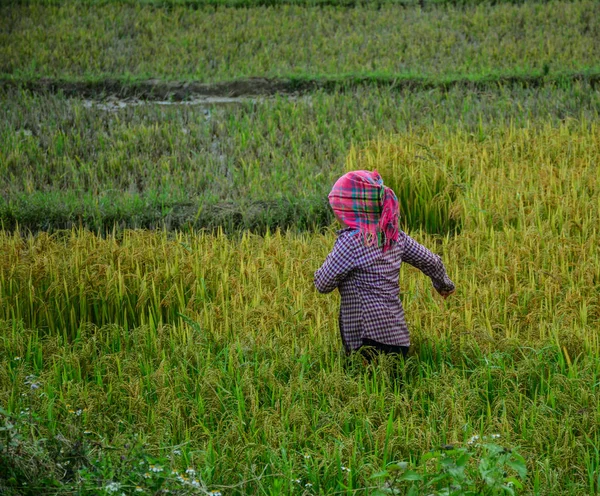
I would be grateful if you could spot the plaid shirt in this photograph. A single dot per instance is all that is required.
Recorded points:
(368, 282)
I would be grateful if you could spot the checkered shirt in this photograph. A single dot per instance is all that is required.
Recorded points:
(367, 280)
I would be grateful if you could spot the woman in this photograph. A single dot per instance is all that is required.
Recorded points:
(365, 264)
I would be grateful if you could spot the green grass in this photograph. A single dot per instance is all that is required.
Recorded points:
(255, 164)
(246, 415)
(75, 41)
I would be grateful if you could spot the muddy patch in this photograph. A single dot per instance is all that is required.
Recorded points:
(168, 91)
(179, 91)
(113, 103)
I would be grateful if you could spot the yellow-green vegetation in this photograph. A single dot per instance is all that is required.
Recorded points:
(134, 41)
(218, 352)
(203, 361)
(251, 164)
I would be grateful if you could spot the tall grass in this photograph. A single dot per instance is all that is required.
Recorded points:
(221, 347)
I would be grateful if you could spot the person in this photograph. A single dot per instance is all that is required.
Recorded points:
(364, 265)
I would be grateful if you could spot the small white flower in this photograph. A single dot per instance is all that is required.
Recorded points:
(79, 412)
(215, 493)
(195, 483)
(17, 359)
(495, 436)
(113, 487)
(473, 439)
(308, 485)
(297, 481)
(156, 468)
(307, 457)
(345, 469)
(177, 452)
(190, 471)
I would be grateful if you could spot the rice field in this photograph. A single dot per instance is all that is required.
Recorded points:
(133, 41)
(219, 355)
(160, 332)
(255, 163)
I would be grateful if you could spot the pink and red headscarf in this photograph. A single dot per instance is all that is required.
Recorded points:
(360, 199)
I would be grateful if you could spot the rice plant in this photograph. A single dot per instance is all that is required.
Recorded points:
(253, 165)
(136, 41)
(214, 353)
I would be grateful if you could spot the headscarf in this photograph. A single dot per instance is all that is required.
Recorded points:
(360, 199)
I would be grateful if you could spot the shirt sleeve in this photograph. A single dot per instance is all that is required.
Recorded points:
(427, 262)
(338, 264)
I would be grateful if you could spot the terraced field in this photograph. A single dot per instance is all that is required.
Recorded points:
(165, 167)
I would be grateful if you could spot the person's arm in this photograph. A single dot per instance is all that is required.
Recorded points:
(429, 263)
(336, 267)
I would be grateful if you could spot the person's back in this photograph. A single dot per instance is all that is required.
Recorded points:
(366, 272)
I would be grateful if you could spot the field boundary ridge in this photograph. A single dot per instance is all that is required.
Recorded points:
(156, 89)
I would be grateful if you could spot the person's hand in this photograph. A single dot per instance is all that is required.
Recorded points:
(444, 294)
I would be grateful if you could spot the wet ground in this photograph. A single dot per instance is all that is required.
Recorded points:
(113, 103)
(168, 91)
